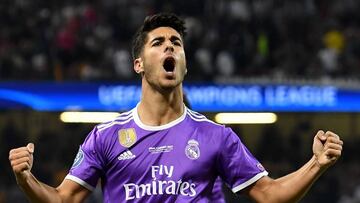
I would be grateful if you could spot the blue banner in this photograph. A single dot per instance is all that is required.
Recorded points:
(48, 96)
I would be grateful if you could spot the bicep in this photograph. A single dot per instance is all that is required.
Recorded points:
(72, 192)
(258, 191)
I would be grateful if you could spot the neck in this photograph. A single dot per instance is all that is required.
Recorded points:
(160, 107)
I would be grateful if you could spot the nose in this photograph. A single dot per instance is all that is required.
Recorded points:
(169, 47)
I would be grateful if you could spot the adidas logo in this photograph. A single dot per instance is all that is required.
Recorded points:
(126, 155)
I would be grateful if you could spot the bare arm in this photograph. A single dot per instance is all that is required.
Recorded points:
(21, 160)
(327, 149)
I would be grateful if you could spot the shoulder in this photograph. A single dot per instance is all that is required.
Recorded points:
(201, 121)
(119, 122)
(212, 128)
(104, 134)
(200, 118)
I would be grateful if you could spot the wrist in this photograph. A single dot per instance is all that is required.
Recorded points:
(317, 164)
(22, 178)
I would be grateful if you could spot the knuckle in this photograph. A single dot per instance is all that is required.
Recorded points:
(27, 159)
(333, 139)
(16, 169)
(330, 132)
(26, 154)
(12, 153)
(334, 145)
(13, 164)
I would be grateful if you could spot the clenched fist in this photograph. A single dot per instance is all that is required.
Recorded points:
(327, 148)
(21, 160)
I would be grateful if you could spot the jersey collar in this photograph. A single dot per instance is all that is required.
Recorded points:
(160, 127)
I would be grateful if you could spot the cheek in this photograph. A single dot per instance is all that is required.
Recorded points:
(153, 60)
(150, 69)
(183, 61)
(150, 61)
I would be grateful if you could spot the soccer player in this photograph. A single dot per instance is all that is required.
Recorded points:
(160, 151)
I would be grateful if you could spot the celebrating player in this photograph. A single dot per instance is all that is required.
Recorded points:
(161, 151)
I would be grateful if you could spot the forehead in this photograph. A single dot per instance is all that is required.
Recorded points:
(166, 32)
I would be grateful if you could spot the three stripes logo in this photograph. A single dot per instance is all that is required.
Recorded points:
(126, 155)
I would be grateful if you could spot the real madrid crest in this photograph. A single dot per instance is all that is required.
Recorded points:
(192, 149)
(127, 137)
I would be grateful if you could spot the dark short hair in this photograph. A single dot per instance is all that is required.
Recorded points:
(152, 22)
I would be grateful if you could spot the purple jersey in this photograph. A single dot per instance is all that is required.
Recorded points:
(176, 162)
(217, 194)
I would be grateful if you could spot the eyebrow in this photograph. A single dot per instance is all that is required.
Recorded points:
(175, 38)
(162, 38)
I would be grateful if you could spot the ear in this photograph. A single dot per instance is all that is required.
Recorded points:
(138, 65)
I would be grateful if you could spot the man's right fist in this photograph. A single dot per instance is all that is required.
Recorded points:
(21, 160)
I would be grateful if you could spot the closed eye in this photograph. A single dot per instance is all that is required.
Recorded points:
(176, 40)
(157, 43)
(177, 43)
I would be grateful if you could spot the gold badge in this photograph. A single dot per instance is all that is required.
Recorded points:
(127, 137)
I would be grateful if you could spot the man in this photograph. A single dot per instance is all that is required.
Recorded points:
(163, 152)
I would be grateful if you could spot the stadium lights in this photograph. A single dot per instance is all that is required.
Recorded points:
(245, 118)
(223, 118)
(87, 117)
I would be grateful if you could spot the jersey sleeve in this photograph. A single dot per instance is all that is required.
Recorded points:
(88, 164)
(236, 165)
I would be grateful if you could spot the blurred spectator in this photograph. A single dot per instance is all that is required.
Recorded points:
(123, 64)
(203, 60)
(225, 64)
(334, 43)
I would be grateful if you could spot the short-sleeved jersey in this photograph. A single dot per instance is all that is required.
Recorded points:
(176, 162)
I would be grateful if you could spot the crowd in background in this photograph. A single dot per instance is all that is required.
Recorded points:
(91, 39)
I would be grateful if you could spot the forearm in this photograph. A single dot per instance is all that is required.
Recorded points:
(21, 160)
(292, 187)
(301, 170)
(38, 192)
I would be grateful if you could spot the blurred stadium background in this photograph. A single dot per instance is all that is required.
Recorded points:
(298, 59)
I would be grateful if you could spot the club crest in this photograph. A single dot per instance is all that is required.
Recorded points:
(192, 149)
(127, 137)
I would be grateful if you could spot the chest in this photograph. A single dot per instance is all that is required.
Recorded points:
(163, 155)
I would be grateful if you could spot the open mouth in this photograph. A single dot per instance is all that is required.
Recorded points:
(169, 64)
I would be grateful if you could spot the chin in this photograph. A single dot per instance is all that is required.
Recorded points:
(170, 85)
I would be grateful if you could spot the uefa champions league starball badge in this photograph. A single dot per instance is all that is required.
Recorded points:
(78, 159)
(192, 149)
